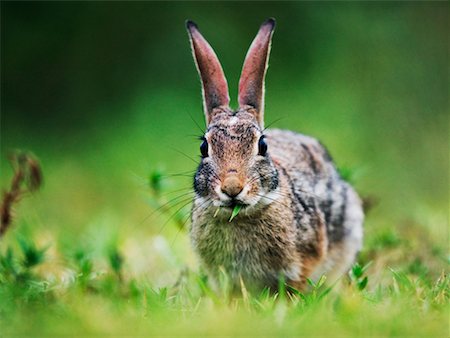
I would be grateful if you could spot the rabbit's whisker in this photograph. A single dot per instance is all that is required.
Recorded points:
(183, 173)
(273, 200)
(202, 130)
(166, 206)
(143, 182)
(188, 217)
(185, 155)
(186, 203)
(188, 189)
(272, 123)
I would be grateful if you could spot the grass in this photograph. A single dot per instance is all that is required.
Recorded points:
(94, 301)
(102, 248)
(99, 284)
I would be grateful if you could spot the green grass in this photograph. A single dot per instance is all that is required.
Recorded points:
(110, 280)
(90, 300)
(103, 248)
(109, 113)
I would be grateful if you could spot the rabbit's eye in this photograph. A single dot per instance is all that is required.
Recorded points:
(262, 146)
(204, 148)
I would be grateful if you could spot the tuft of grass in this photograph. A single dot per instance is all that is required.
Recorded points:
(156, 181)
(32, 256)
(116, 261)
(357, 275)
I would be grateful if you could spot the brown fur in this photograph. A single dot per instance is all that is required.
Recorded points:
(298, 218)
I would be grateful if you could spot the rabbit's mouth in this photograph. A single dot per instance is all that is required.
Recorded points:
(243, 205)
(233, 204)
(246, 199)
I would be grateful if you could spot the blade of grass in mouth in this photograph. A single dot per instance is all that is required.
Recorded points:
(235, 211)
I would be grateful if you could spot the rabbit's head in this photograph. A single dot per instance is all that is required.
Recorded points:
(236, 167)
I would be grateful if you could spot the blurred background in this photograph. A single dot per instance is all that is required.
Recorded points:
(106, 93)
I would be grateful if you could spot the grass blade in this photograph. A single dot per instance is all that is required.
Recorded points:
(235, 212)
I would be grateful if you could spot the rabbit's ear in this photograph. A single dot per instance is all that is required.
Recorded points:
(214, 84)
(251, 84)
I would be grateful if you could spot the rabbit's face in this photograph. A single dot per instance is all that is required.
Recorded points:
(236, 167)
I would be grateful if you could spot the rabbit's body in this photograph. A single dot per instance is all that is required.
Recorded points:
(316, 181)
(298, 218)
(312, 226)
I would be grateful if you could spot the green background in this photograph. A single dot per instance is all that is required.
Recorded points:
(104, 93)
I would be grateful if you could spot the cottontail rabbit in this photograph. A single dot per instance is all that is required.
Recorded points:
(298, 218)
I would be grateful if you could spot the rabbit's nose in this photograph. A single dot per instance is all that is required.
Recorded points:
(232, 186)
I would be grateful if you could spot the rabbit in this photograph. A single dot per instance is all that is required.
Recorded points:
(298, 218)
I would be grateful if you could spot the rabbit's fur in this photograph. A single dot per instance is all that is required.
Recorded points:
(298, 220)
